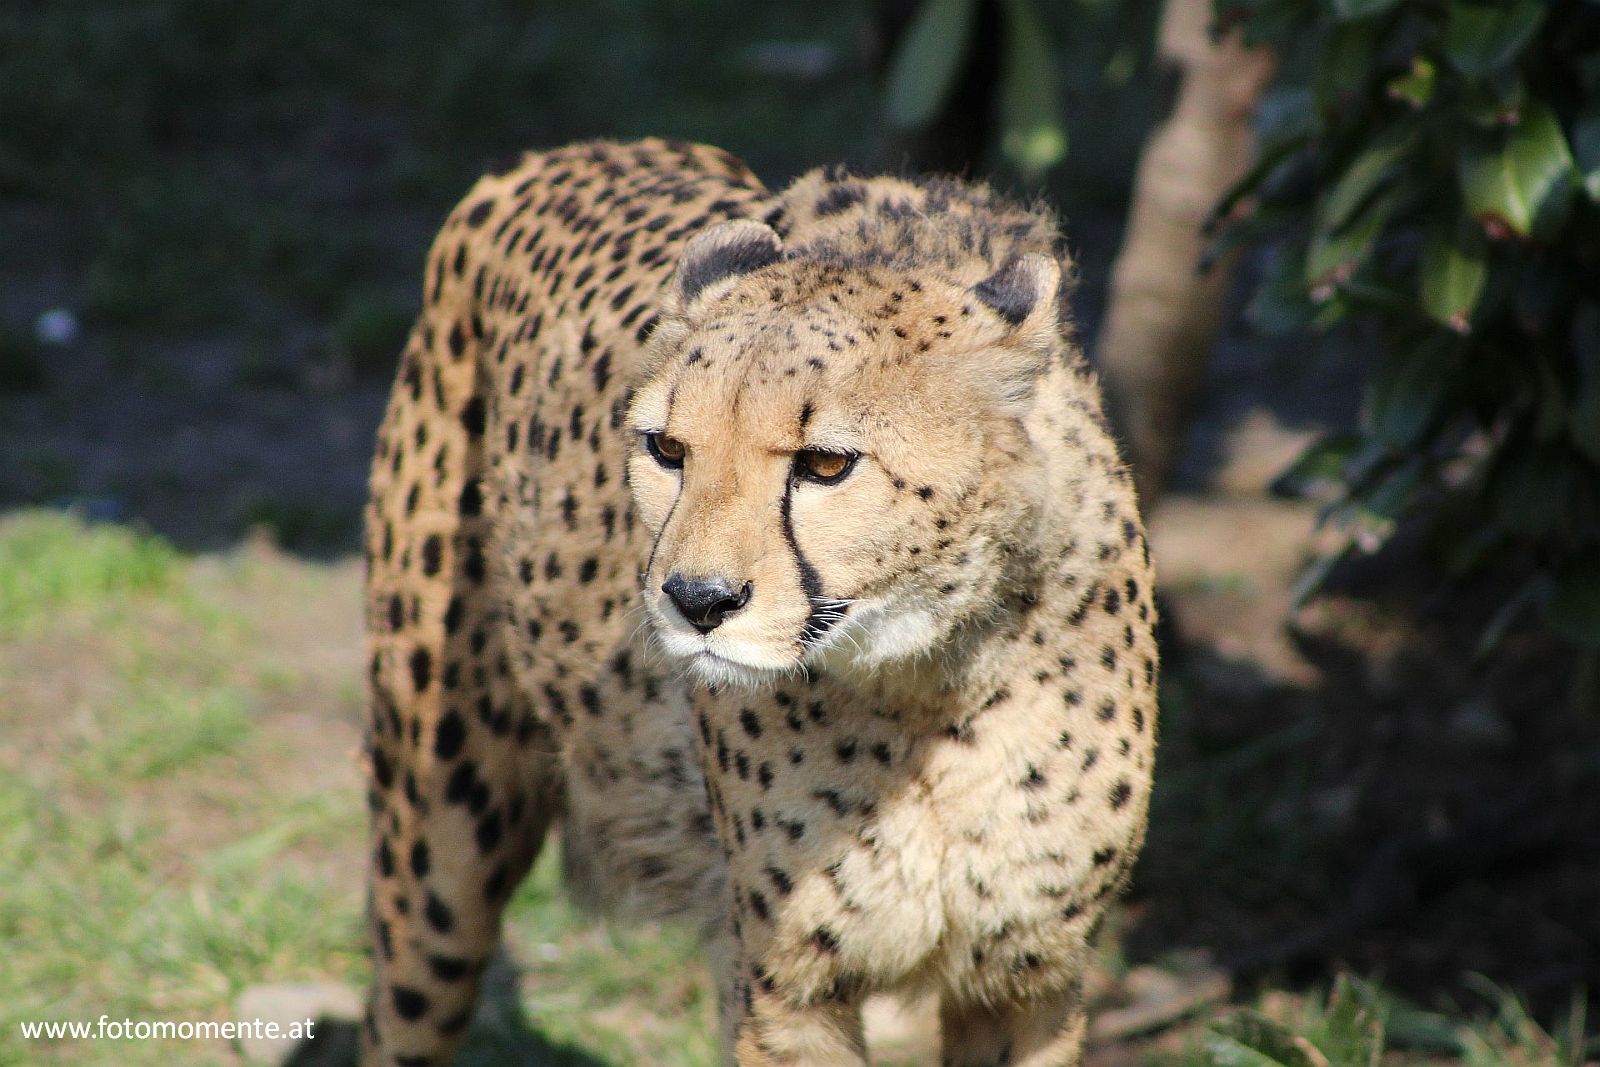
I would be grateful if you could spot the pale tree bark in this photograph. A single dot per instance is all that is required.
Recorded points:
(1164, 308)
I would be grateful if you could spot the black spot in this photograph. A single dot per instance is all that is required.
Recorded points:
(432, 555)
(471, 502)
(449, 735)
(1120, 794)
(382, 770)
(1104, 856)
(480, 211)
(409, 1003)
(780, 881)
(385, 859)
(420, 860)
(840, 198)
(751, 724)
(421, 669)
(489, 832)
(449, 968)
(439, 915)
(588, 569)
(472, 416)
(826, 941)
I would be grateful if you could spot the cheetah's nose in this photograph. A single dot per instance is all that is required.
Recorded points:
(705, 601)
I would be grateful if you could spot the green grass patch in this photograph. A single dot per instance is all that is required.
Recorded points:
(99, 923)
(625, 993)
(51, 561)
(157, 734)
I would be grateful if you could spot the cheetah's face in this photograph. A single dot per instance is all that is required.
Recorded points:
(826, 485)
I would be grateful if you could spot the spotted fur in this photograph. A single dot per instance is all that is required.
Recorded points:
(907, 746)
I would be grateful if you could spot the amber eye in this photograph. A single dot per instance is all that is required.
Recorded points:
(826, 468)
(667, 451)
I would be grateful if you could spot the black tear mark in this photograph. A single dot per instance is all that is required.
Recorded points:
(817, 623)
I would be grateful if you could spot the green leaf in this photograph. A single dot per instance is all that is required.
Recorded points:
(1452, 275)
(1269, 157)
(1521, 181)
(1033, 135)
(1407, 391)
(925, 67)
(1335, 256)
(1319, 469)
(1263, 1037)
(1354, 1036)
(1483, 36)
(1362, 178)
(1361, 9)
(1416, 86)
(1574, 608)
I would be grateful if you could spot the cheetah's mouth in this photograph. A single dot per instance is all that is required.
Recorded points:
(723, 660)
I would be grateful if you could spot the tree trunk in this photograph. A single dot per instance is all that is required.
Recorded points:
(1164, 308)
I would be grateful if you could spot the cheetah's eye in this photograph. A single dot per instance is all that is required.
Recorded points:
(667, 451)
(824, 468)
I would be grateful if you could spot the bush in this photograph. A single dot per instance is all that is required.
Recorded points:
(1429, 173)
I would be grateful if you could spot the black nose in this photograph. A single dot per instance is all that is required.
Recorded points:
(704, 601)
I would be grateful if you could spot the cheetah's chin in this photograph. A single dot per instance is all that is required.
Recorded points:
(722, 668)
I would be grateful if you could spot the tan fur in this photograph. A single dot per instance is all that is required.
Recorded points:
(918, 757)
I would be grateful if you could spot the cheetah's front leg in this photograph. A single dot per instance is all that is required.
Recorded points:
(765, 1028)
(1044, 1032)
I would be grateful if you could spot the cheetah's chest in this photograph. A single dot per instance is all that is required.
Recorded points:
(953, 864)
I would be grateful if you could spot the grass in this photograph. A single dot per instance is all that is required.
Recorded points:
(1357, 1024)
(181, 814)
(53, 562)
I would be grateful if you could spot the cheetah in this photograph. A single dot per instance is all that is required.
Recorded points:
(773, 546)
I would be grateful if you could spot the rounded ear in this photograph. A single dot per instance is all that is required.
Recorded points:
(723, 252)
(1025, 293)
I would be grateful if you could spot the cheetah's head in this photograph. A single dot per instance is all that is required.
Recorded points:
(832, 459)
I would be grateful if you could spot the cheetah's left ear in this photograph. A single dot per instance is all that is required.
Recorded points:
(1026, 293)
(720, 254)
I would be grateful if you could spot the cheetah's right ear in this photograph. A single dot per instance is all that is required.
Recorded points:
(718, 255)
